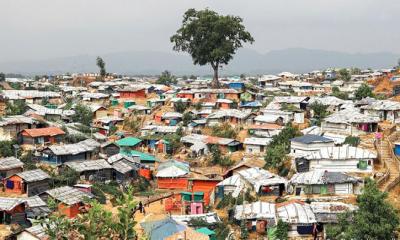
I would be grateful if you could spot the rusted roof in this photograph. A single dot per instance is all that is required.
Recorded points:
(40, 132)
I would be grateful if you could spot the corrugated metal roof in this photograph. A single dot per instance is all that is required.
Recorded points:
(33, 175)
(129, 142)
(87, 145)
(89, 165)
(68, 195)
(34, 201)
(310, 138)
(16, 119)
(10, 163)
(8, 204)
(350, 116)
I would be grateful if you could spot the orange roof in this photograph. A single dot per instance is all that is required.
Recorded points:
(39, 132)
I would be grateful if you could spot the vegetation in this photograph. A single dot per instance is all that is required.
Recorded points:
(275, 156)
(337, 93)
(180, 106)
(374, 219)
(166, 78)
(102, 67)
(217, 158)
(7, 149)
(28, 161)
(282, 229)
(319, 110)
(186, 118)
(210, 38)
(67, 177)
(283, 138)
(224, 130)
(363, 91)
(344, 74)
(97, 223)
(2, 77)
(83, 114)
(133, 123)
(352, 141)
(175, 139)
(244, 233)
(16, 108)
(198, 106)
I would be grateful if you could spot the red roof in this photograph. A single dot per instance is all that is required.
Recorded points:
(40, 132)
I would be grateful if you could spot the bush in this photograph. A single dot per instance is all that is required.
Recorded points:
(7, 148)
(282, 229)
(224, 130)
(352, 141)
(180, 106)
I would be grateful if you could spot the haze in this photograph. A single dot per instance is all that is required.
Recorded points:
(42, 29)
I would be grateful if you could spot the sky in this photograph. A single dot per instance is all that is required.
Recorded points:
(43, 29)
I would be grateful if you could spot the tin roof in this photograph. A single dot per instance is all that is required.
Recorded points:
(33, 175)
(10, 163)
(351, 116)
(129, 142)
(310, 138)
(8, 204)
(16, 119)
(88, 165)
(68, 195)
(87, 145)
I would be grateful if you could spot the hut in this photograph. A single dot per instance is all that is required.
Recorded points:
(31, 182)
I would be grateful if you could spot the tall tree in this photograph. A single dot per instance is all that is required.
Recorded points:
(2, 77)
(102, 66)
(363, 91)
(210, 38)
(166, 78)
(83, 114)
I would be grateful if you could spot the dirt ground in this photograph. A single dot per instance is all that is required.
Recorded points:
(394, 197)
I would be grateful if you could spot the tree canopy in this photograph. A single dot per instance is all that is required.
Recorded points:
(166, 78)
(210, 38)
(319, 110)
(374, 219)
(363, 91)
(345, 74)
(83, 114)
(102, 66)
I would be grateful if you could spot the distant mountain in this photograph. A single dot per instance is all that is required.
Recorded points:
(246, 61)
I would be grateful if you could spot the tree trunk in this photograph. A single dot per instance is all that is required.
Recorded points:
(215, 81)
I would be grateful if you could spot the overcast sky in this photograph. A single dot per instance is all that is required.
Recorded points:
(40, 29)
